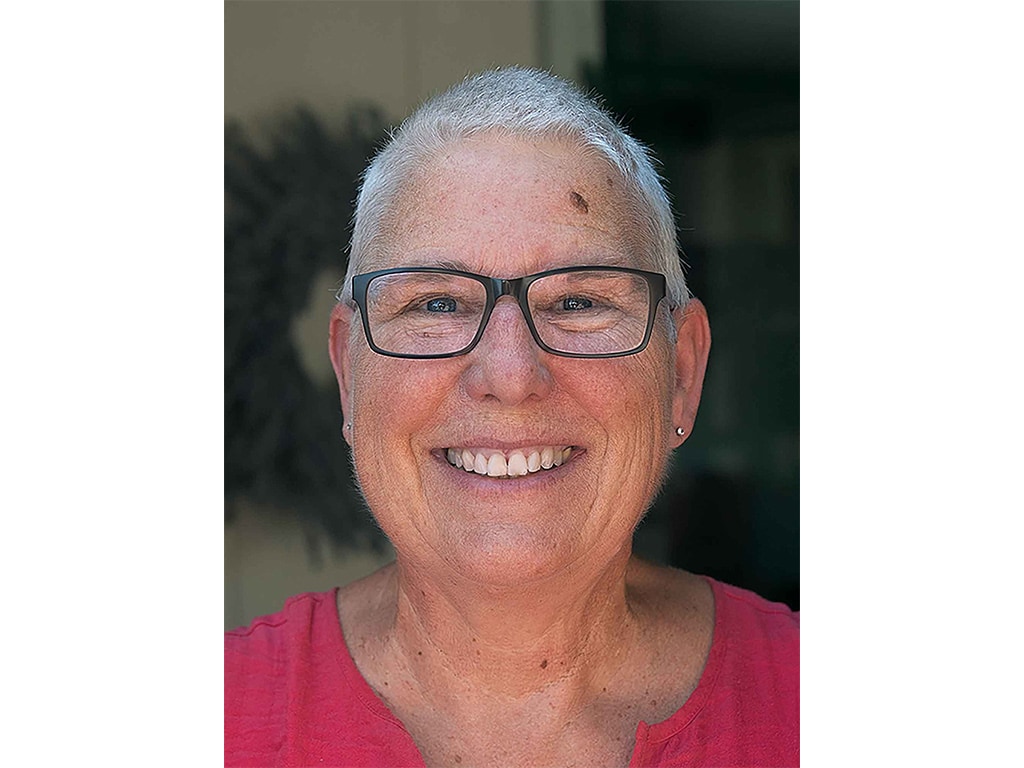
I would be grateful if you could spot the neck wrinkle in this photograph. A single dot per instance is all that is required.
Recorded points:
(555, 638)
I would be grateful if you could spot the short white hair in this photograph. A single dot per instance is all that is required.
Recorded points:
(518, 102)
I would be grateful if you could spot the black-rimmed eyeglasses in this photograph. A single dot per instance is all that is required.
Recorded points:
(428, 312)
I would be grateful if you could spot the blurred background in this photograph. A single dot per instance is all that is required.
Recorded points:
(310, 88)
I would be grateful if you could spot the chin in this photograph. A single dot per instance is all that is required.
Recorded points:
(507, 554)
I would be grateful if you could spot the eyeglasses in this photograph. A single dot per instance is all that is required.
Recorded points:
(428, 312)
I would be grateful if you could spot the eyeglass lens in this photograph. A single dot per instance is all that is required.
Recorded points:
(582, 312)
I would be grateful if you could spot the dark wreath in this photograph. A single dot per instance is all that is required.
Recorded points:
(288, 203)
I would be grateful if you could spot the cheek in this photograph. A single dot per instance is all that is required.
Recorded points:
(632, 400)
(392, 400)
(390, 396)
(635, 390)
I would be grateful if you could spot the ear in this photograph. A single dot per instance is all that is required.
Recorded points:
(342, 317)
(693, 342)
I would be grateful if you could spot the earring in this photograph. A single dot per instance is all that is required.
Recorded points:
(348, 426)
(680, 431)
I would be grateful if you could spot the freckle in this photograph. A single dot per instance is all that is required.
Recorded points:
(544, 664)
(604, 690)
(578, 202)
(458, 758)
(419, 653)
(478, 653)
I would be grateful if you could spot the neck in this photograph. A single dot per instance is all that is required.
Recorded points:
(565, 632)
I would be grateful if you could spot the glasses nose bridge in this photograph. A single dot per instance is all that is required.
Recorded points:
(507, 287)
(512, 287)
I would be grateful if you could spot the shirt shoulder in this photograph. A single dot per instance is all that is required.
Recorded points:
(262, 664)
(750, 621)
(746, 708)
(293, 696)
(269, 637)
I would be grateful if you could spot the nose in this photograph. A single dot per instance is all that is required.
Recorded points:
(507, 365)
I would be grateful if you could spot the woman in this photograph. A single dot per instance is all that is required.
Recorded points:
(517, 356)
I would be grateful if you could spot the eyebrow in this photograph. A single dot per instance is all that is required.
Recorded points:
(448, 264)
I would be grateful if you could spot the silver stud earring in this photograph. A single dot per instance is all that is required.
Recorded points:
(348, 426)
(680, 431)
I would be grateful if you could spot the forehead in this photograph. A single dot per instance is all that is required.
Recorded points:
(508, 207)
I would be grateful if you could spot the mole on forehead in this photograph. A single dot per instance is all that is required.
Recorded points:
(578, 201)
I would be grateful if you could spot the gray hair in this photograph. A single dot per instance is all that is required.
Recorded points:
(519, 102)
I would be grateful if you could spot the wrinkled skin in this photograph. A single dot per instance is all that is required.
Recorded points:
(509, 208)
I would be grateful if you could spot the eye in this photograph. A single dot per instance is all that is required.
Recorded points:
(576, 303)
(441, 305)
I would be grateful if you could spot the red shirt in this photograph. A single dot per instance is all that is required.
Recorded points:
(294, 697)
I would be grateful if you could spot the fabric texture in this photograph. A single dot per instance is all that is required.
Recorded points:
(294, 697)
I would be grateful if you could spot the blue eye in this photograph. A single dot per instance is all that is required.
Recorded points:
(441, 305)
(574, 302)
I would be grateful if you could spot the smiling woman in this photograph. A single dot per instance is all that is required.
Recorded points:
(517, 356)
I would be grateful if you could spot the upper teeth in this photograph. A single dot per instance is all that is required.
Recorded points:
(494, 463)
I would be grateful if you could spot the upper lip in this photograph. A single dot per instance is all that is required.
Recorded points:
(505, 444)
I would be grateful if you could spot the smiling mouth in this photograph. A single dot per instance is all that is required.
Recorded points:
(517, 463)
